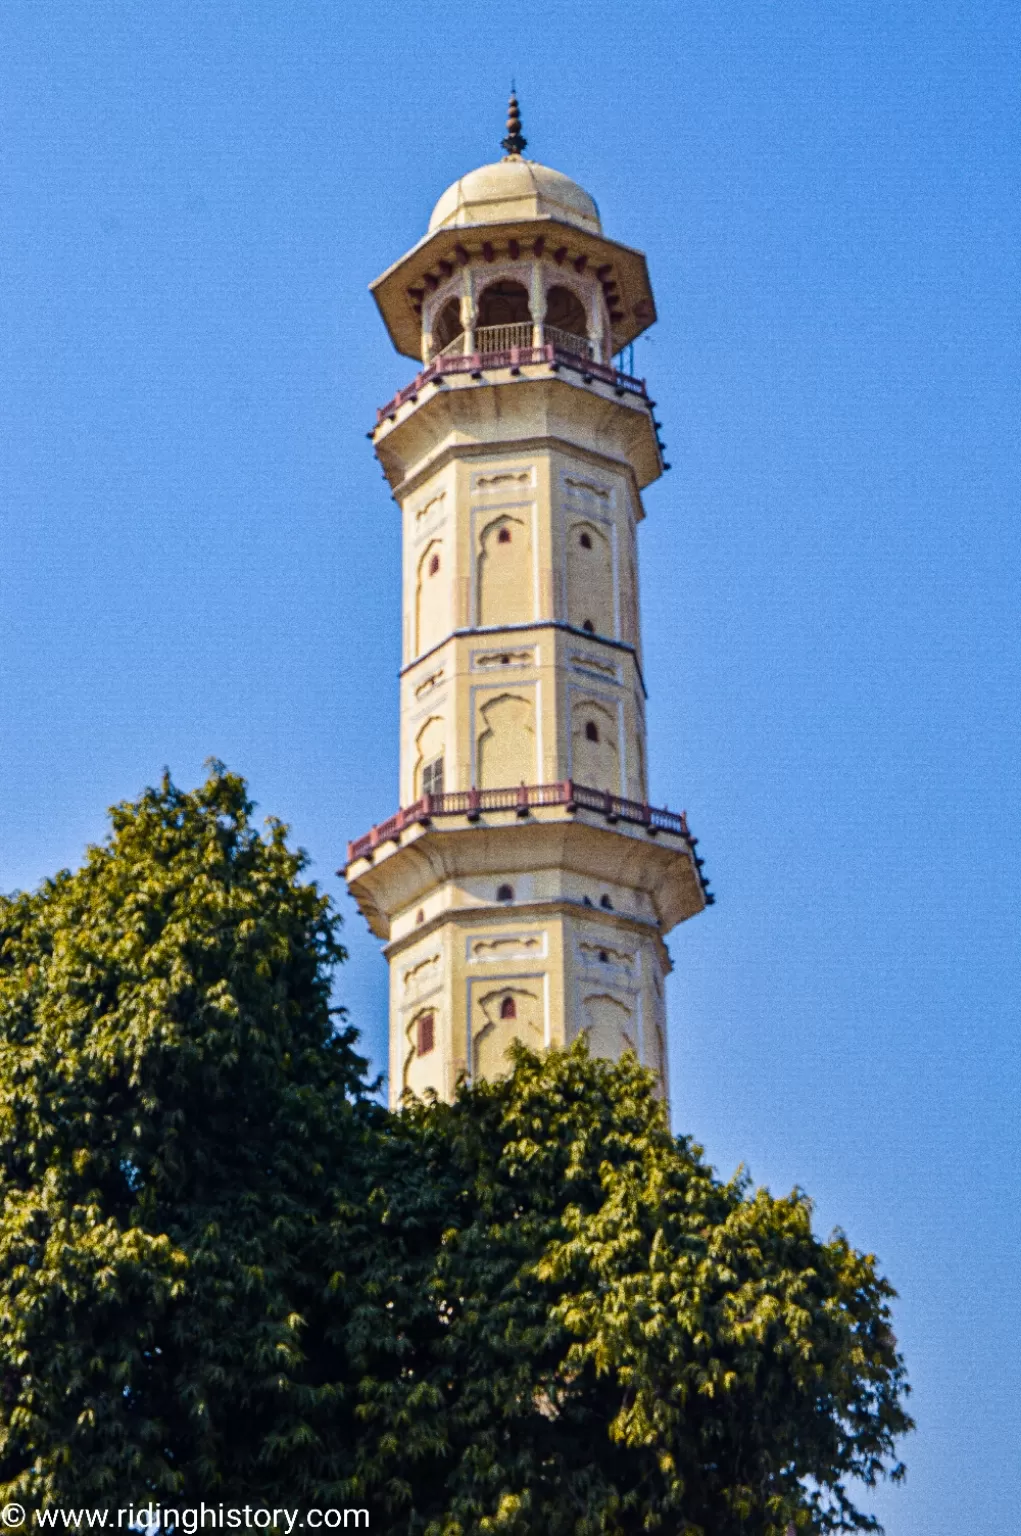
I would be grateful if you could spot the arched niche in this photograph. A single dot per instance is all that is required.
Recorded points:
(595, 750)
(609, 1026)
(627, 584)
(504, 572)
(430, 746)
(431, 606)
(590, 595)
(501, 1016)
(505, 741)
(421, 1029)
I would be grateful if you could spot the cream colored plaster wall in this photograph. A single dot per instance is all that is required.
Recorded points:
(503, 713)
(521, 664)
(514, 707)
(615, 991)
(429, 560)
(491, 977)
(595, 514)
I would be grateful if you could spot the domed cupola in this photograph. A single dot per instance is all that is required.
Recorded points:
(515, 188)
(541, 231)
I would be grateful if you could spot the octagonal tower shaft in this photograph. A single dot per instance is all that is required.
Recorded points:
(525, 887)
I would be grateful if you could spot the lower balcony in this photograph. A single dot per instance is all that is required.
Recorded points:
(562, 832)
(522, 799)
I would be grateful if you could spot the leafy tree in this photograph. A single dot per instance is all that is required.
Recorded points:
(226, 1273)
(179, 1133)
(568, 1325)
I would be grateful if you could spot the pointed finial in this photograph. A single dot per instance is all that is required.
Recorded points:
(515, 141)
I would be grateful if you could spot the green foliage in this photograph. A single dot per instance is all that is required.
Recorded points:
(175, 1123)
(226, 1273)
(572, 1327)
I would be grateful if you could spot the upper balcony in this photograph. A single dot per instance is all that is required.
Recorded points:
(513, 355)
(515, 347)
(563, 826)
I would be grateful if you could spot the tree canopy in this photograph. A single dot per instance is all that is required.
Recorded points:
(574, 1327)
(176, 1113)
(226, 1271)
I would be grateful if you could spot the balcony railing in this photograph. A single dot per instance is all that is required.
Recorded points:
(555, 355)
(473, 803)
(567, 341)
(452, 348)
(499, 338)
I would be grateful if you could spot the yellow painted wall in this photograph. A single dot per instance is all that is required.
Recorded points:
(521, 663)
(513, 707)
(573, 971)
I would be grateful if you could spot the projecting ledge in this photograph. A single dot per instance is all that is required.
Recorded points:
(401, 873)
(497, 408)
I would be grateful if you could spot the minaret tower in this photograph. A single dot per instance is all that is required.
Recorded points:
(526, 885)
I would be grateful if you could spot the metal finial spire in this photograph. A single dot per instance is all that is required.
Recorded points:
(515, 141)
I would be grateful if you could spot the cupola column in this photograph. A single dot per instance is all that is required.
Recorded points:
(537, 302)
(595, 327)
(469, 311)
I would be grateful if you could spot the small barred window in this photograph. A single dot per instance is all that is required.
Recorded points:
(432, 777)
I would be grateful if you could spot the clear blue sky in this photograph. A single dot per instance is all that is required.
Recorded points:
(198, 555)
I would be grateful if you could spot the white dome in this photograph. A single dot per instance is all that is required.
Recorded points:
(513, 189)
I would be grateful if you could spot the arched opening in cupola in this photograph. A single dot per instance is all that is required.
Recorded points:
(505, 317)
(504, 303)
(447, 327)
(566, 323)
